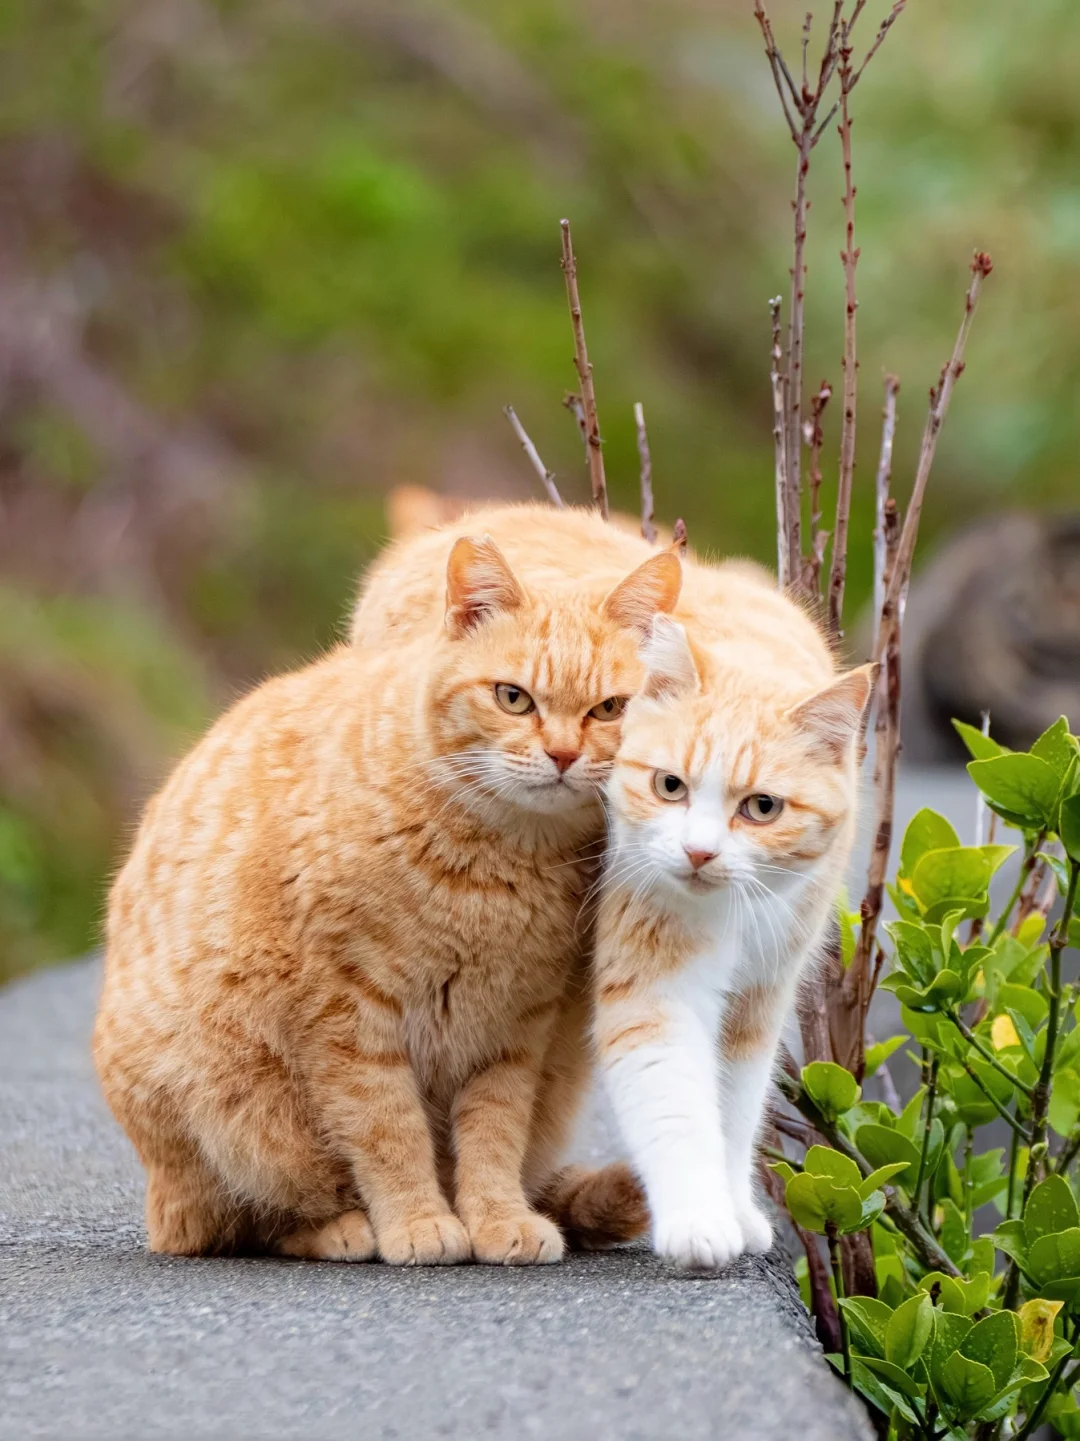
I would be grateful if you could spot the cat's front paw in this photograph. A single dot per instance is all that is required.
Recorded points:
(521, 1239)
(425, 1241)
(756, 1228)
(695, 1242)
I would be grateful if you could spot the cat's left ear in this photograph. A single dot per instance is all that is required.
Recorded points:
(479, 584)
(669, 661)
(651, 589)
(834, 715)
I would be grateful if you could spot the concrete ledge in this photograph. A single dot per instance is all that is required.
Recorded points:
(98, 1339)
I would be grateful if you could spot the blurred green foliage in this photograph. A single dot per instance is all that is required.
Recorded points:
(312, 247)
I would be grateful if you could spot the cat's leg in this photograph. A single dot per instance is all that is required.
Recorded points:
(491, 1118)
(593, 1208)
(368, 1101)
(658, 1053)
(750, 1035)
(188, 1211)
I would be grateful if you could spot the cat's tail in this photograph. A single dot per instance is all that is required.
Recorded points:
(598, 1208)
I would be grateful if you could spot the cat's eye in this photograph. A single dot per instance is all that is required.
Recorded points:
(762, 810)
(610, 709)
(514, 700)
(669, 787)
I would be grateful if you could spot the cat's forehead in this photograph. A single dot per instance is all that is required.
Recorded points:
(701, 739)
(565, 656)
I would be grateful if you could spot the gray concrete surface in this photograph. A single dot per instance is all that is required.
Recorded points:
(100, 1341)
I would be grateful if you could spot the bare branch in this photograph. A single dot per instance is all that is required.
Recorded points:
(886, 25)
(850, 258)
(884, 477)
(793, 480)
(585, 375)
(781, 73)
(572, 403)
(940, 395)
(818, 538)
(678, 534)
(547, 477)
(648, 529)
(779, 398)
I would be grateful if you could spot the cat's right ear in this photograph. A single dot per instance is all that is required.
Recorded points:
(669, 661)
(653, 588)
(479, 584)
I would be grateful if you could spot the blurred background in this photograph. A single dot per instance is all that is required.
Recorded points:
(263, 260)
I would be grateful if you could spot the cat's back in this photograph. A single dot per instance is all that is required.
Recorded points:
(404, 592)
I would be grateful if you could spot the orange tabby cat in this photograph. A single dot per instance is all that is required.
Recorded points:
(345, 985)
(732, 807)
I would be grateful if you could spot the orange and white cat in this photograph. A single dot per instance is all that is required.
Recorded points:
(731, 810)
(346, 1002)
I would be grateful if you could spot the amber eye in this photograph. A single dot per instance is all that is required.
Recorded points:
(669, 787)
(514, 700)
(762, 810)
(610, 709)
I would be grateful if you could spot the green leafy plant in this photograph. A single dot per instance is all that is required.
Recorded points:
(972, 1324)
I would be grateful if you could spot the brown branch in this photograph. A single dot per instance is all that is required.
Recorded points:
(648, 529)
(884, 478)
(850, 258)
(779, 69)
(818, 538)
(886, 755)
(585, 375)
(778, 381)
(678, 534)
(547, 477)
(572, 403)
(886, 25)
(940, 395)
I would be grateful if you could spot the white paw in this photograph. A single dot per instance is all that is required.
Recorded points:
(695, 1242)
(757, 1231)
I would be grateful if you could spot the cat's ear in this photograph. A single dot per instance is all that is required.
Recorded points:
(652, 588)
(833, 716)
(669, 661)
(479, 584)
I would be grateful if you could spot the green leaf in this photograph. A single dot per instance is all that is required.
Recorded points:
(815, 1201)
(1057, 747)
(1064, 1109)
(1069, 827)
(832, 1089)
(994, 1341)
(877, 1392)
(868, 1318)
(968, 1384)
(1031, 1004)
(926, 831)
(1010, 1238)
(949, 1331)
(979, 746)
(1054, 1257)
(783, 1170)
(1023, 785)
(824, 1161)
(897, 1378)
(959, 871)
(1060, 869)
(879, 1053)
(910, 1328)
(882, 1146)
(914, 948)
(1051, 1207)
(954, 1236)
(880, 1176)
(950, 1298)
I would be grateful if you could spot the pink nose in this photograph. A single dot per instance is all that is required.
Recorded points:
(564, 759)
(699, 858)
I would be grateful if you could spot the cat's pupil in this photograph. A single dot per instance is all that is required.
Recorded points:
(512, 695)
(765, 804)
(671, 784)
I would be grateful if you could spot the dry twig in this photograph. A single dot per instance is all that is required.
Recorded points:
(572, 403)
(884, 478)
(819, 538)
(585, 376)
(547, 477)
(648, 529)
(778, 380)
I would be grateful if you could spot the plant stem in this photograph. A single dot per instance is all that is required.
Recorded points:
(1021, 880)
(931, 1092)
(1003, 1111)
(1068, 1153)
(1014, 1156)
(1051, 1386)
(968, 1141)
(1040, 1101)
(987, 1055)
(838, 1282)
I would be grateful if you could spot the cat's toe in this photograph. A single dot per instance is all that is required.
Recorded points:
(347, 1237)
(757, 1231)
(522, 1239)
(428, 1241)
(698, 1243)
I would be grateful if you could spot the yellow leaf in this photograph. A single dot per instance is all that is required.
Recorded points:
(1003, 1033)
(905, 885)
(1037, 1327)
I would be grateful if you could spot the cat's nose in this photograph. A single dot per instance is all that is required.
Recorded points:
(699, 858)
(563, 759)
